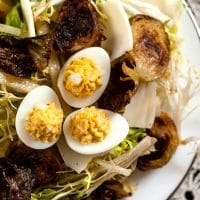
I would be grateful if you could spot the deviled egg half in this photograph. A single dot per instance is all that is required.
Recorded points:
(39, 118)
(92, 131)
(84, 77)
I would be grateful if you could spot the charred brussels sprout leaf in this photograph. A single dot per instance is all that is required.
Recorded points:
(16, 181)
(15, 58)
(164, 130)
(122, 85)
(77, 27)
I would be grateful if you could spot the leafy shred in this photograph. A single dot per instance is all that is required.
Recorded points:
(13, 17)
(118, 161)
(134, 136)
(8, 104)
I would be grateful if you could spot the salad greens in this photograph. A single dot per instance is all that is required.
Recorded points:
(8, 109)
(134, 136)
(13, 17)
(116, 162)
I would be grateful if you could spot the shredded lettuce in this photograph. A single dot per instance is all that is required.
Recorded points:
(116, 162)
(8, 109)
(134, 136)
(13, 17)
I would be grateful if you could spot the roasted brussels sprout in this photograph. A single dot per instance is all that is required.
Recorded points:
(16, 182)
(122, 85)
(77, 27)
(164, 130)
(40, 50)
(14, 57)
(110, 190)
(151, 47)
(24, 57)
(43, 163)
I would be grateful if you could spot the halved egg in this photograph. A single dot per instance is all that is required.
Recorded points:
(84, 77)
(39, 118)
(92, 131)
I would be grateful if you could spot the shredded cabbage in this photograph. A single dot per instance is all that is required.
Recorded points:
(43, 11)
(181, 82)
(10, 30)
(28, 17)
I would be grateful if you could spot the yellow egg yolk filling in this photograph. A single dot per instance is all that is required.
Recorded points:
(82, 77)
(90, 125)
(45, 124)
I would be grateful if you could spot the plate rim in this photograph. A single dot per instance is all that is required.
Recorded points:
(190, 14)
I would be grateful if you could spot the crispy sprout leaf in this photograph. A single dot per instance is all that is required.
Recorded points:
(122, 85)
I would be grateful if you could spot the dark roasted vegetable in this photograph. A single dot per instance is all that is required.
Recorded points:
(23, 57)
(122, 85)
(110, 190)
(43, 163)
(14, 57)
(77, 27)
(40, 50)
(151, 47)
(164, 130)
(16, 181)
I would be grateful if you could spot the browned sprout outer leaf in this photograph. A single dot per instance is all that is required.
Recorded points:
(22, 57)
(111, 190)
(122, 85)
(40, 50)
(77, 27)
(15, 181)
(15, 58)
(164, 130)
(151, 47)
(43, 163)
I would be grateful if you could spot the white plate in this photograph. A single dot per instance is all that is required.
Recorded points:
(159, 184)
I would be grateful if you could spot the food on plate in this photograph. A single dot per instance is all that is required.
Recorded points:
(44, 124)
(122, 85)
(93, 125)
(111, 190)
(164, 130)
(77, 27)
(92, 131)
(82, 70)
(78, 114)
(44, 164)
(39, 118)
(40, 50)
(23, 57)
(151, 47)
(14, 57)
(115, 20)
(16, 181)
(84, 77)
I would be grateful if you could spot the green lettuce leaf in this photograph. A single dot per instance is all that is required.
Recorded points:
(133, 138)
(13, 17)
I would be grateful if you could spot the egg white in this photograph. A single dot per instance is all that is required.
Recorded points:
(102, 60)
(39, 96)
(118, 131)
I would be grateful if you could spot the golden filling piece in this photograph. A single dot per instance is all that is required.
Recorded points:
(45, 124)
(90, 125)
(82, 77)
